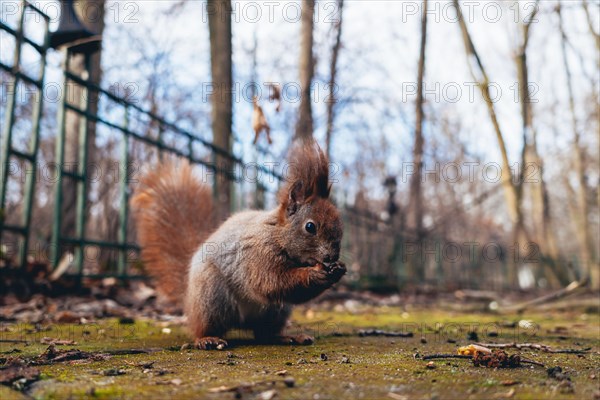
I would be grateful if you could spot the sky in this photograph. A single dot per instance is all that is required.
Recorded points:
(377, 66)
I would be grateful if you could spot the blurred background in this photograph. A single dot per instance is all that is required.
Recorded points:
(464, 146)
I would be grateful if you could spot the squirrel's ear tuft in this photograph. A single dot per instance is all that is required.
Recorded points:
(307, 176)
(295, 198)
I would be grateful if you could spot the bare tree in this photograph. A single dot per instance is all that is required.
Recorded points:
(416, 208)
(590, 24)
(331, 100)
(219, 25)
(304, 127)
(542, 223)
(512, 190)
(596, 96)
(582, 217)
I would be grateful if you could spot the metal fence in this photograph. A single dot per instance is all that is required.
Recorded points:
(8, 150)
(141, 137)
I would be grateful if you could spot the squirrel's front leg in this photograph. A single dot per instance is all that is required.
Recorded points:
(303, 284)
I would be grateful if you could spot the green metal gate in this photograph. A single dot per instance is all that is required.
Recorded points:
(13, 90)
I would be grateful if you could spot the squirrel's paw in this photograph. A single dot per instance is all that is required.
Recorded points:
(327, 275)
(210, 343)
(335, 271)
(301, 339)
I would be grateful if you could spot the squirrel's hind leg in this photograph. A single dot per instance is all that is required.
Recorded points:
(208, 308)
(270, 328)
(210, 343)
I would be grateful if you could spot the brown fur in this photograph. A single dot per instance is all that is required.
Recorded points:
(173, 212)
(248, 272)
(307, 176)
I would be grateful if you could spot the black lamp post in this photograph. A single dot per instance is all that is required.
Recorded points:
(77, 29)
(391, 185)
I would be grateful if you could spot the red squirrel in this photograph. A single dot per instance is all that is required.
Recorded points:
(248, 272)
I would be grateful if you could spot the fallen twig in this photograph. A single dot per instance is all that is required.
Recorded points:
(52, 355)
(242, 388)
(378, 332)
(528, 361)
(477, 295)
(124, 352)
(58, 342)
(535, 346)
(433, 356)
(223, 389)
(470, 357)
(13, 341)
(572, 288)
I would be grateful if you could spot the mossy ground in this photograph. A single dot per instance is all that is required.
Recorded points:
(355, 366)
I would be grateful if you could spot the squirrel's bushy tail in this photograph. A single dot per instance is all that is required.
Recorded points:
(173, 213)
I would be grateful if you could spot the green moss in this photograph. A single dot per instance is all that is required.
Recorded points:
(377, 365)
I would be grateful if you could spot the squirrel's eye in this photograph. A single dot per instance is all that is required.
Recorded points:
(311, 228)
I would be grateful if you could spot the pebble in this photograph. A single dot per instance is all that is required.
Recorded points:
(289, 381)
(113, 372)
(268, 395)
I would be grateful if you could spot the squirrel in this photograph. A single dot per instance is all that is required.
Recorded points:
(249, 272)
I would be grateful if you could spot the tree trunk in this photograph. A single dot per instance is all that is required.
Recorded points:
(87, 11)
(304, 127)
(581, 219)
(416, 270)
(591, 24)
(555, 274)
(331, 100)
(596, 36)
(540, 200)
(219, 25)
(512, 191)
